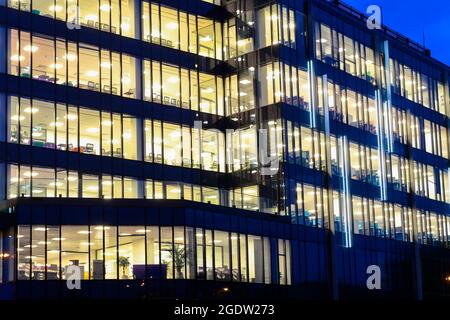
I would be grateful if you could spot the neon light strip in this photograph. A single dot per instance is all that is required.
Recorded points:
(326, 107)
(381, 147)
(390, 143)
(312, 96)
(346, 191)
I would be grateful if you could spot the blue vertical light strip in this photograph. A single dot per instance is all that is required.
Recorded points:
(381, 146)
(326, 107)
(347, 216)
(387, 68)
(312, 94)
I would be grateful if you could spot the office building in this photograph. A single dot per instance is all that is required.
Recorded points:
(198, 149)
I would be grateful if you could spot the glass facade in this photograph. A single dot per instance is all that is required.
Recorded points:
(169, 27)
(345, 53)
(42, 182)
(147, 252)
(66, 127)
(66, 63)
(116, 16)
(305, 124)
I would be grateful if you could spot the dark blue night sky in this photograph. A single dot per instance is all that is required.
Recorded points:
(412, 17)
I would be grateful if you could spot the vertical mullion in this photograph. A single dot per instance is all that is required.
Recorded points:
(60, 251)
(99, 18)
(179, 86)
(89, 252)
(179, 35)
(160, 251)
(159, 31)
(145, 250)
(203, 231)
(45, 249)
(123, 186)
(150, 26)
(110, 113)
(152, 160)
(302, 194)
(78, 129)
(247, 258)
(31, 100)
(117, 253)
(78, 111)
(67, 148)
(195, 252)
(66, 126)
(185, 251)
(239, 266)
(172, 228)
(110, 20)
(230, 255)
(103, 251)
(120, 20)
(161, 89)
(31, 180)
(121, 75)
(279, 255)
(30, 277)
(271, 24)
(286, 265)
(121, 138)
(197, 41)
(263, 259)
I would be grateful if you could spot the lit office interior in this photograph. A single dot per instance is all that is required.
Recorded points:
(70, 128)
(41, 182)
(149, 252)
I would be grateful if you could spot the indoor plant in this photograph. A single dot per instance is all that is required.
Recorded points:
(178, 256)
(124, 262)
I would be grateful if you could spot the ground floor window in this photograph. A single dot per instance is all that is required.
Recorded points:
(45, 252)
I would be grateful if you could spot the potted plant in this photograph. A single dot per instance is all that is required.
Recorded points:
(124, 263)
(178, 256)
